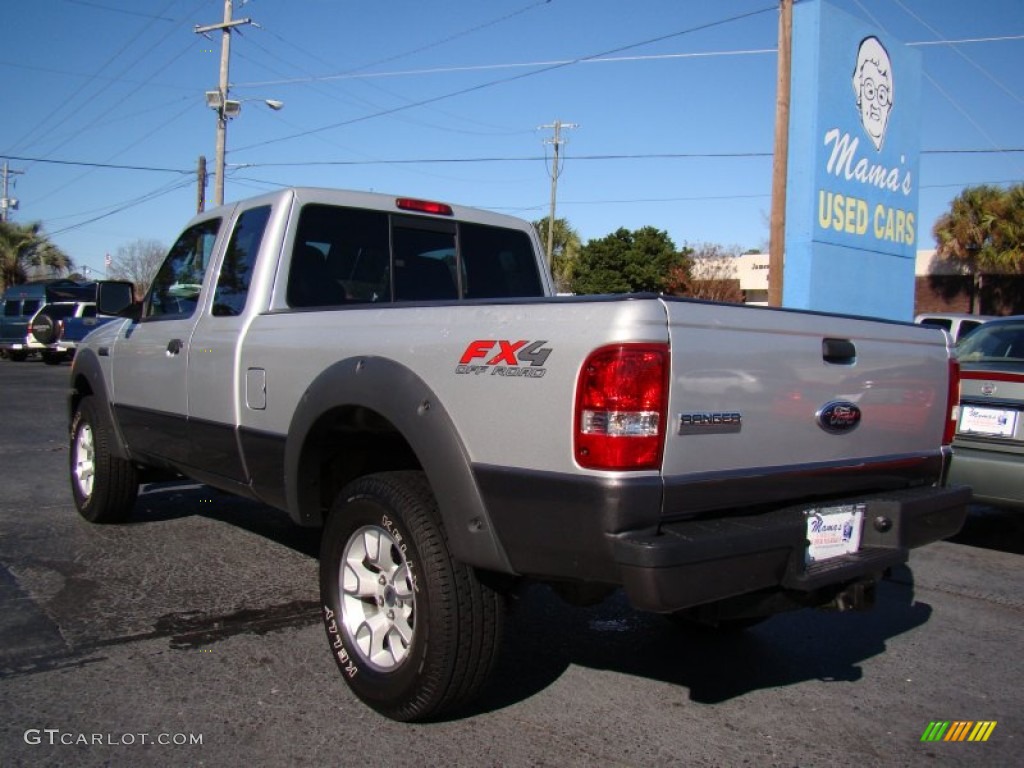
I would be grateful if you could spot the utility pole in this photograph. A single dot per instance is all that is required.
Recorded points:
(7, 203)
(556, 170)
(222, 105)
(201, 185)
(780, 162)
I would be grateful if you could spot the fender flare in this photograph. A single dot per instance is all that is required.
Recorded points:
(397, 394)
(87, 366)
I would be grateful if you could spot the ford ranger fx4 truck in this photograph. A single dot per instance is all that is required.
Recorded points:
(400, 373)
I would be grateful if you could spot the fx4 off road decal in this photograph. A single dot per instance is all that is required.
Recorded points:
(500, 357)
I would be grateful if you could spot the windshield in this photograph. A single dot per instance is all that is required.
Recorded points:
(993, 342)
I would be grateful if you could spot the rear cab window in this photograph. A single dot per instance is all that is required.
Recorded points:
(238, 267)
(345, 255)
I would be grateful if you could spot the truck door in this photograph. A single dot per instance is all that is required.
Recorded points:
(215, 390)
(151, 355)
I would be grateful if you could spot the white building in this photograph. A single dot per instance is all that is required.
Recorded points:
(751, 270)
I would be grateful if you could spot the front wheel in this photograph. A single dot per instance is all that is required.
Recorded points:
(414, 632)
(104, 486)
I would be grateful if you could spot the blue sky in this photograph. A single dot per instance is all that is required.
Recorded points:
(674, 102)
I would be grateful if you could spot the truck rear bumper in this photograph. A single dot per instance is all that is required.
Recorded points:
(694, 562)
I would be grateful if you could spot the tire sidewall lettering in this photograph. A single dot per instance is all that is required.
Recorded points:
(400, 541)
(336, 639)
(371, 684)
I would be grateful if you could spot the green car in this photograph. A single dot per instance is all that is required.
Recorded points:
(988, 450)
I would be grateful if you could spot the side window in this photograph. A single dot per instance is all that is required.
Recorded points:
(239, 262)
(498, 263)
(30, 307)
(340, 256)
(966, 326)
(176, 287)
(12, 307)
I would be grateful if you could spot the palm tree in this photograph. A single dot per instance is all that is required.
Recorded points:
(1010, 231)
(25, 246)
(964, 233)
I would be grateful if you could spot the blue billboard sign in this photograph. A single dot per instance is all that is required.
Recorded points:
(851, 204)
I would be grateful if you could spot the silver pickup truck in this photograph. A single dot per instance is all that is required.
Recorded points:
(399, 372)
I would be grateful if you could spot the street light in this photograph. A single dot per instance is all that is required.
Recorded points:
(227, 109)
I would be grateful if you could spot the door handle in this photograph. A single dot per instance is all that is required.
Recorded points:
(174, 346)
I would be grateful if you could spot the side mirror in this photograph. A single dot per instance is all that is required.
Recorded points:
(115, 297)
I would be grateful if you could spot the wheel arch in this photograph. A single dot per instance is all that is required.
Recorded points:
(370, 414)
(87, 381)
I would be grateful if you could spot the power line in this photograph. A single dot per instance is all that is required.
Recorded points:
(358, 75)
(119, 10)
(49, 123)
(509, 79)
(87, 164)
(463, 160)
(159, 192)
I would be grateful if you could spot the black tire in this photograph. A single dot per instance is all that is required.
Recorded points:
(104, 486)
(438, 628)
(17, 355)
(52, 357)
(44, 328)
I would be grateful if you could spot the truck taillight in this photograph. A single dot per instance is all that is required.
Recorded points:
(621, 405)
(952, 402)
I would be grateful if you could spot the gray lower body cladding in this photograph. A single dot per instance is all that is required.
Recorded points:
(613, 531)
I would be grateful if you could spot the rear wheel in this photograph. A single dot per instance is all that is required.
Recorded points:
(414, 632)
(104, 486)
(52, 357)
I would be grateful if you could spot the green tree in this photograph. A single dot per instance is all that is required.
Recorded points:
(983, 232)
(24, 247)
(566, 245)
(627, 261)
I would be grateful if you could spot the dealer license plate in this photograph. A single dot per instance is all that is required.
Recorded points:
(992, 422)
(833, 531)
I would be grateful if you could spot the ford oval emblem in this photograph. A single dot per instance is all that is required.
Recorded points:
(838, 416)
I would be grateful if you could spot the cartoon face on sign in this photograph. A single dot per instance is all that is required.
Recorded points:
(874, 88)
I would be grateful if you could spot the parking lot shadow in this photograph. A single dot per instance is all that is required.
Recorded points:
(992, 528)
(170, 501)
(545, 637)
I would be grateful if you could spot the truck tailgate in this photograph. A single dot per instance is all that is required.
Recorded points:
(760, 399)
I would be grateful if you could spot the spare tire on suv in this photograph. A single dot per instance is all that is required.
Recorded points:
(44, 327)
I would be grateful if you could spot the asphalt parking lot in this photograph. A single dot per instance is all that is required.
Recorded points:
(190, 636)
